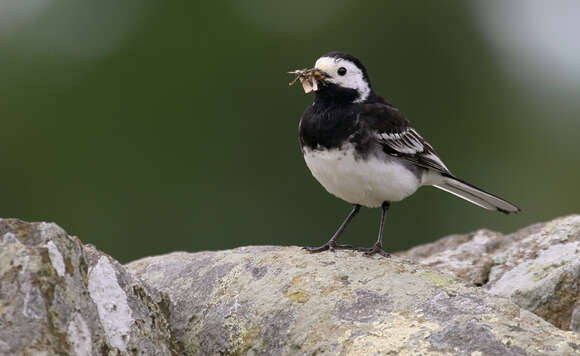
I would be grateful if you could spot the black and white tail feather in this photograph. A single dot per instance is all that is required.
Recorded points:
(399, 139)
(474, 195)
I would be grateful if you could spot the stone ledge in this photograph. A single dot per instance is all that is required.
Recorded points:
(59, 296)
(537, 267)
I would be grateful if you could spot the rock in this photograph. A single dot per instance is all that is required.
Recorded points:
(283, 300)
(60, 297)
(537, 267)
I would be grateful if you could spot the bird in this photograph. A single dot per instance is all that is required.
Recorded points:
(363, 150)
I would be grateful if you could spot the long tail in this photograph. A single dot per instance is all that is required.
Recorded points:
(475, 195)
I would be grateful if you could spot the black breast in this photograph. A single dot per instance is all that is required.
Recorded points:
(324, 127)
(334, 119)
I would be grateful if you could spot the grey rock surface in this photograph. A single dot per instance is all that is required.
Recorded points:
(59, 297)
(537, 267)
(282, 300)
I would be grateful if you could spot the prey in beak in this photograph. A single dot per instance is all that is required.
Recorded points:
(309, 78)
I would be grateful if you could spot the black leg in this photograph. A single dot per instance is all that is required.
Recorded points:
(331, 244)
(378, 246)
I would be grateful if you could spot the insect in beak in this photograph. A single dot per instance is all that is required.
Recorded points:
(309, 78)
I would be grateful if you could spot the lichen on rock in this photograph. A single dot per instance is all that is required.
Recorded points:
(537, 267)
(58, 296)
(469, 297)
(337, 303)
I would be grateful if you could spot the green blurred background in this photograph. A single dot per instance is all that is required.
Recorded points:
(146, 127)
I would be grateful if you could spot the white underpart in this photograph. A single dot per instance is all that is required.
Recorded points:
(431, 177)
(111, 301)
(368, 182)
(352, 79)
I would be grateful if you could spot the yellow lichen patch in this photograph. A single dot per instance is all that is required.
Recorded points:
(326, 328)
(437, 279)
(402, 335)
(345, 338)
(295, 292)
(398, 268)
(262, 261)
(9, 254)
(228, 280)
(275, 257)
(298, 296)
(339, 283)
(296, 280)
(328, 290)
(347, 294)
(242, 337)
(247, 341)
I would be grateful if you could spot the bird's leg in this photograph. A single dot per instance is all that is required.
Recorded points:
(331, 244)
(378, 246)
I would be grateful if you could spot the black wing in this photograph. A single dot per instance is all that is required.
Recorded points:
(394, 133)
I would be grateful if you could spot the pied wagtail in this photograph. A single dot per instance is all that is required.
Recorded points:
(363, 150)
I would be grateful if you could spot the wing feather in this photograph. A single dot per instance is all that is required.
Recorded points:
(394, 132)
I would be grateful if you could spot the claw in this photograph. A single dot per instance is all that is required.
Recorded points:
(376, 249)
(343, 247)
(316, 249)
(330, 245)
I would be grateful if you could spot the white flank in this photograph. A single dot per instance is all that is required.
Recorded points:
(111, 301)
(367, 182)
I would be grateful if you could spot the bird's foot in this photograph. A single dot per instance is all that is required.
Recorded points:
(330, 245)
(376, 249)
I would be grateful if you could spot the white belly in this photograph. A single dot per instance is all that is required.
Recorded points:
(367, 182)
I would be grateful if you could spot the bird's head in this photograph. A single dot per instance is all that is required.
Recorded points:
(338, 77)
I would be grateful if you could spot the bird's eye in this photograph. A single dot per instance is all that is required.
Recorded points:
(341, 71)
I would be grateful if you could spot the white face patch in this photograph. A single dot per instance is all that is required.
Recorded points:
(353, 78)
